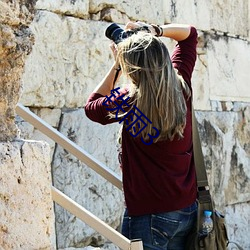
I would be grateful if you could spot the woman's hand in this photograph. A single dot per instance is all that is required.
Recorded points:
(138, 24)
(113, 48)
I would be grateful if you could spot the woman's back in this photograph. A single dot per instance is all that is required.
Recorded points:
(158, 175)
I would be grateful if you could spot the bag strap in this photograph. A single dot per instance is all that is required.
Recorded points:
(204, 198)
(201, 174)
(198, 155)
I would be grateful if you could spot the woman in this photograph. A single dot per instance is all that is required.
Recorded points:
(158, 167)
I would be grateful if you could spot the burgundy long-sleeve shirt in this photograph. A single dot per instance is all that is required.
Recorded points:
(159, 177)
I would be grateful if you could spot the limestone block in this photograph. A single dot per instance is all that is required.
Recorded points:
(67, 74)
(82, 184)
(15, 43)
(189, 11)
(238, 221)
(206, 15)
(220, 74)
(228, 62)
(248, 20)
(15, 13)
(200, 77)
(111, 15)
(77, 8)
(65, 64)
(106, 246)
(26, 207)
(210, 15)
(7, 15)
(50, 116)
(73, 66)
(230, 16)
(150, 11)
(225, 140)
(27, 131)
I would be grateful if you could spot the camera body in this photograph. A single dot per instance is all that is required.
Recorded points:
(115, 33)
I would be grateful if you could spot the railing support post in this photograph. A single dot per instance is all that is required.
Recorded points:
(136, 245)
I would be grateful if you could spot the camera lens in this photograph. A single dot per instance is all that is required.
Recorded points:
(115, 33)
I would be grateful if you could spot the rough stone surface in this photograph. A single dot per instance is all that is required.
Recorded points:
(210, 15)
(50, 116)
(75, 61)
(68, 61)
(237, 217)
(82, 184)
(71, 55)
(15, 43)
(225, 139)
(106, 246)
(26, 207)
(77, 8)
(224, 63)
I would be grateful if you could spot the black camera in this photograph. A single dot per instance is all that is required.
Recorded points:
(115, 33)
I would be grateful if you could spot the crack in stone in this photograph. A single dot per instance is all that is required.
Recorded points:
(202, 61)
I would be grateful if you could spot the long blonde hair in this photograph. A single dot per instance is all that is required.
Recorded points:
(157, 89)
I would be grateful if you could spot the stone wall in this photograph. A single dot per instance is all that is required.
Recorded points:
(71, 55)
(26, 207)
(15, 43)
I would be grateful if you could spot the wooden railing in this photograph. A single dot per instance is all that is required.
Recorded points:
(66, 202)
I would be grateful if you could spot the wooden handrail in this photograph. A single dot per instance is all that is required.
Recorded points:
(70, 146)
(93, 221)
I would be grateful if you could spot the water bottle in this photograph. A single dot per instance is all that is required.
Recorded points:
(207, 223)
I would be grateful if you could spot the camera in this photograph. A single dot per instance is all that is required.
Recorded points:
(115, 33)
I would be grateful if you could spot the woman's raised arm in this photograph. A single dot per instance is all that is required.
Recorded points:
(178, 32)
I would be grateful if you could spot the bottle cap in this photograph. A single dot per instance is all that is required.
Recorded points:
(207, 213)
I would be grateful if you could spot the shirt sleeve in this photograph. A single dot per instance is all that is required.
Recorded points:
(184, 55)
(96, 110)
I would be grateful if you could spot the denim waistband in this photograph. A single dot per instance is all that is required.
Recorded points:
(190, 208)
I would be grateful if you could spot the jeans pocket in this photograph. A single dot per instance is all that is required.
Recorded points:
(163, 229)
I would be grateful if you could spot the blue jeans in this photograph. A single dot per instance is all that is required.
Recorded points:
(161, 231)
